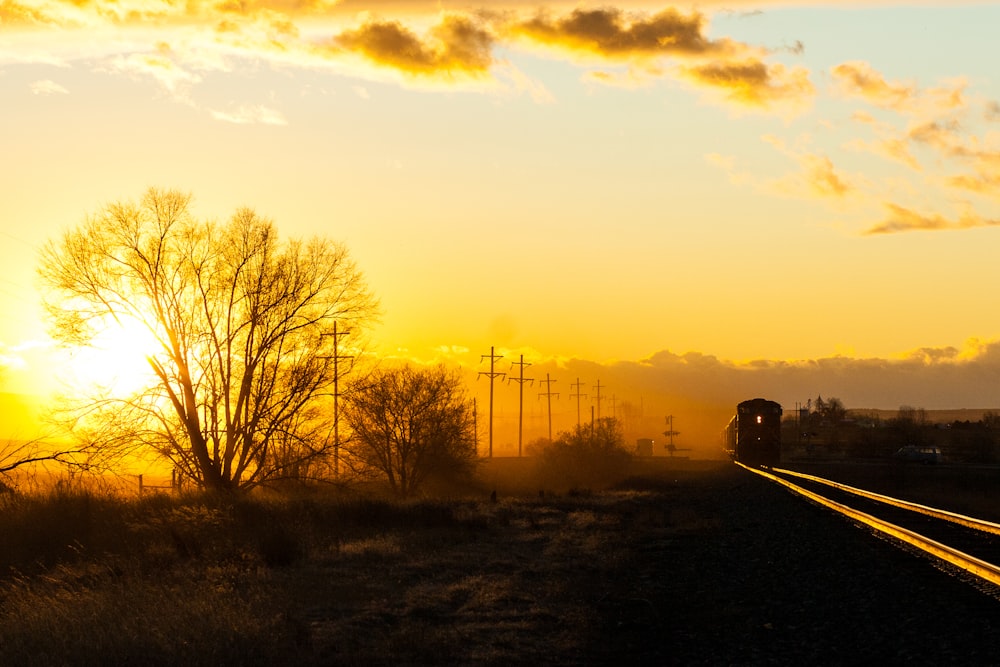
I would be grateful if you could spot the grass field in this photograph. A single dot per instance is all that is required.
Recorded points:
(536, 576)
(87, 578)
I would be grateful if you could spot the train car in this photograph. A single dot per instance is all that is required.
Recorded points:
(753, 436)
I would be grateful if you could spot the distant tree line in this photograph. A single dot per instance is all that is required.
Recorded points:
(826, 428)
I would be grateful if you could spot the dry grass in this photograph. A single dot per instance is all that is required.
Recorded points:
(89, 579)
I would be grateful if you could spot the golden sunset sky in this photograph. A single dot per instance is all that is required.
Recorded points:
(698, 203)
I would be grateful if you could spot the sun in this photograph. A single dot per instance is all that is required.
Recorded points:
(116, 359)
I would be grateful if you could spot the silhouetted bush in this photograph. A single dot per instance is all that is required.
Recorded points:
(592, 456)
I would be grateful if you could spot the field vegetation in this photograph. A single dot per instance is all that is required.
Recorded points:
(320, 576)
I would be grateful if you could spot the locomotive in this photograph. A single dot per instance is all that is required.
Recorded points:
(753, 436)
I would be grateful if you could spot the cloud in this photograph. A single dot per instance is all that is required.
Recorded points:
(894, 149)
(889, 144)
(648, 43)
(612, 33)
(858, 79)
(47, 87)
(161, 65)
(936, 124)
(631, 78)
(727, 163)
(823, 179)
(753, 83)
(250, 115)
(900, 219)
(427, 47)
(817, 175)
(455, 46)
(701, 390)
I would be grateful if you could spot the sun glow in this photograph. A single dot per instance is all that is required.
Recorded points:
(116, 360)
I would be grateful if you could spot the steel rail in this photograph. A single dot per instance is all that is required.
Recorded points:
(954, 517)
(964, 561)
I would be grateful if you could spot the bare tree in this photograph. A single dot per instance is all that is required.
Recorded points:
(409, 425)
(16, 456)
(242, 362)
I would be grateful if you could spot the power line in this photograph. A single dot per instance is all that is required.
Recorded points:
(336, 392)
(520, 411)
(577, 396)
(598, 398)
(492, 375)
(34, 246)
(548, 395)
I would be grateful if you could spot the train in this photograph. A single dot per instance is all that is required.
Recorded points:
(753, 436)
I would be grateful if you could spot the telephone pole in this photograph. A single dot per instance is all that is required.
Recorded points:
(336, 356)
(548, 395)
(670, 433)
(492, 375)
(520, 406)
(598, 398)
(577, 395)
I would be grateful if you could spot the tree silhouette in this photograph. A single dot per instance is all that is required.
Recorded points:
(410, 425)
(589, 455)
(241, 365)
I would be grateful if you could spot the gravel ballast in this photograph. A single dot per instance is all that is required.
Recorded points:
(751, 574)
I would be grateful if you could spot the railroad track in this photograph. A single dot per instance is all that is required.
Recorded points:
(964, 542)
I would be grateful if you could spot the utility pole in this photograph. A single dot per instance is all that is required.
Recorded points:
(492, 375)
(336, 356)
(520, 406)
(670, 433)
(614, 406)
(548, 394)
(598, 398)
(577, 395)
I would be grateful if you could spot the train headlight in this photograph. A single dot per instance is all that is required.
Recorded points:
(760, 419)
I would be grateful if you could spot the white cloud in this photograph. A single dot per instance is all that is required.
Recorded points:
(254, 114)
(47, 87)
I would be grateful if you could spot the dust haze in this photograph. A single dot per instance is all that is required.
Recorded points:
(700, 391)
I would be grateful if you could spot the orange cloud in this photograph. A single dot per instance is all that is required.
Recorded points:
(817, 175)
(984, 183)
(889, 145)
(457, 50)
(902, 219)
(20, 14)
(895, 149)
(732, 68)
(455, 45)
(611, 33)
(823, 179)
(859, 79)
(753, 82)
(943, 136)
